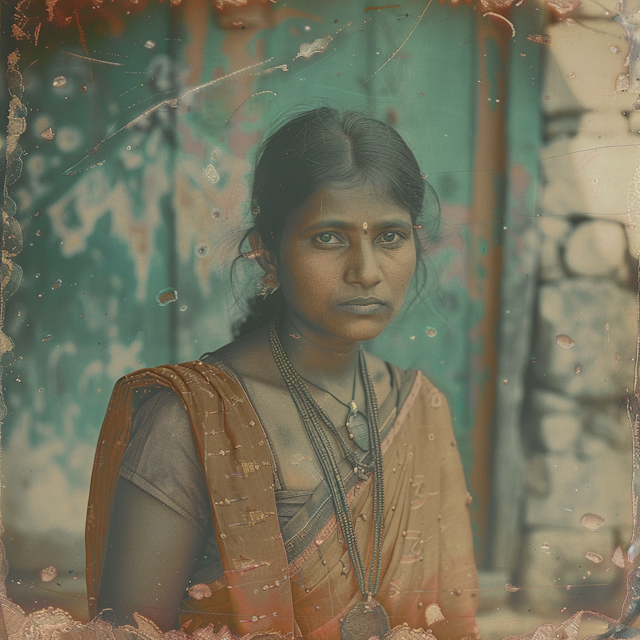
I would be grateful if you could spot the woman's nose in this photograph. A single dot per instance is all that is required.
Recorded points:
(363, 267)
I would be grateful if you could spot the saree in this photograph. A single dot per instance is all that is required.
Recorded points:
(299, 581)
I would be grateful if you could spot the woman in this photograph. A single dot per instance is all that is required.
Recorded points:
(292, 482)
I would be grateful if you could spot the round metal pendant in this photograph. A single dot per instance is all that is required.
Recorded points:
(368, 618)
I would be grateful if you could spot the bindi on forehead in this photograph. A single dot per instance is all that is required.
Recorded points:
(360, 208)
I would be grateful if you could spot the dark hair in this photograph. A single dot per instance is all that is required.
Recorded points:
(320, 147)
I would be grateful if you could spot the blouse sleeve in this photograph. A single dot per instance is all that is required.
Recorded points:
(162, 460)
(157, 518)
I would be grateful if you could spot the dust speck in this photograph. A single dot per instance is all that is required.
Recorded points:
(565, 341)
(431, 332)
(200, 591)
(167, 296)
(591, 521)
(317, 46)
(211, 173)
(202, 250)
(594, 557)
(618, 557)
(433, 614)
(149, 44)
(60, 81)
(48, 574)
(563, 6)
(622, 83)
(48, 134)
(57, 284)
(510, 587)
(539, 38)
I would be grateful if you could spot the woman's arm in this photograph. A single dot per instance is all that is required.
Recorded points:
(151, 551)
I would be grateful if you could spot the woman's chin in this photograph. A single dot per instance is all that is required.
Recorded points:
(342, 324)
(361, 328)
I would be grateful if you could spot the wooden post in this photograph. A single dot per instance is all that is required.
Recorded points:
(485, 255)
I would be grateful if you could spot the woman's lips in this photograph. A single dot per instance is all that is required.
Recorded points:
(363, 306)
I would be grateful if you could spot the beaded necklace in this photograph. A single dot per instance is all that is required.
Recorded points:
(367, 618)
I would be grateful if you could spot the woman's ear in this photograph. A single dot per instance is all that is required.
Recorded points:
(263, 256)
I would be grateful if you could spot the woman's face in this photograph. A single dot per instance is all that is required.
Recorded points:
(346, 259)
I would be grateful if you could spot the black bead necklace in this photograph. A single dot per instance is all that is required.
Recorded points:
(368, 616)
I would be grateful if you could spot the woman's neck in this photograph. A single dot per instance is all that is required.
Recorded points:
(326, 363)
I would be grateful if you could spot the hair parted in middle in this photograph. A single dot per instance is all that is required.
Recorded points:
(322, 147)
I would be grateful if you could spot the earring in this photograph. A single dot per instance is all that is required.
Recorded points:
(266, 286)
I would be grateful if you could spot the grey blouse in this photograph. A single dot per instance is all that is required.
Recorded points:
(162, 460)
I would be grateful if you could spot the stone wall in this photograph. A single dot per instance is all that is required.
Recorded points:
(577, 439)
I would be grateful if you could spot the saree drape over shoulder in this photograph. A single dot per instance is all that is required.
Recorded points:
(299, 581)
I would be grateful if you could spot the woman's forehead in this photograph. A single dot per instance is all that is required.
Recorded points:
(348, 202)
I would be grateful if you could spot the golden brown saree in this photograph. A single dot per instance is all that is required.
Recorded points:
(305, 586)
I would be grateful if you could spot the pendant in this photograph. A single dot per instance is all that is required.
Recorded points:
(353, 412)
(358, 427)
(368, 618)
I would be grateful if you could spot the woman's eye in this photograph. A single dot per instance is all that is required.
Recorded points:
(391, 237)
(327, 238)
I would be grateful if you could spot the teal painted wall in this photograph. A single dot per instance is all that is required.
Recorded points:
(119, 208)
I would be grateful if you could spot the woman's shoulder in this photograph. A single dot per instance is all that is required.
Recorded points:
(248, 357)
(410, 382)
(160, 411)
(381, 370)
